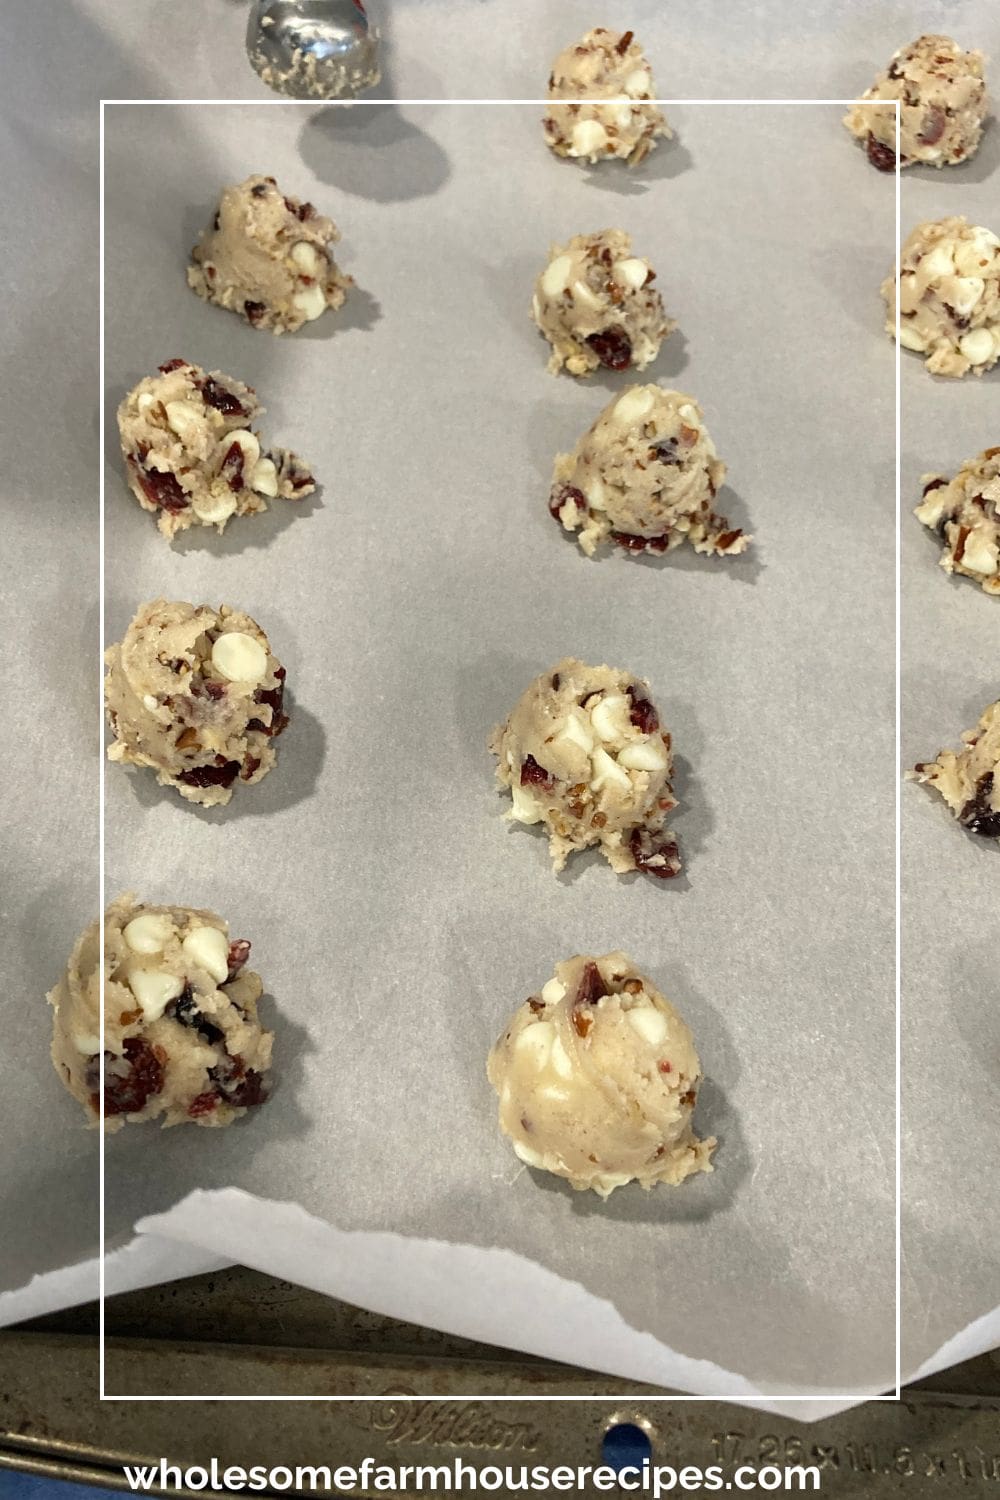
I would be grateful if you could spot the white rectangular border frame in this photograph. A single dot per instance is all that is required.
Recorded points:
(846, 1397)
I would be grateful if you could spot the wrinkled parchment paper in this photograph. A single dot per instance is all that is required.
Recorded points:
(395, 918)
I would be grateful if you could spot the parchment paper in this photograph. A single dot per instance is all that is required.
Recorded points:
(782, 711)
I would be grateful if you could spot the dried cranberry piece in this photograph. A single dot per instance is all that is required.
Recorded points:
(185, 1011)
(560, 494)
(655, 854)
(214, 394)
(933, 126)
(203, 1104)
(202, 776)
(259, 189)
(127, 1093)
(254, 311)
(239, 952)
(162, 489)
(306, 211)
(641, 712)
(623, 43)
(172, 364)
(214, 689)
(250, 1091)
(232, 467)
(591, 987)
(630, 542)
(251, 763)
(880, 156)
(933, 484)
(275, 697)
(532, 774)
(612, 348)
(977, 815)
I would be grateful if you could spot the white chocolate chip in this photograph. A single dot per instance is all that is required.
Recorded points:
(577, 730)
(264, 479)
(555, 278)
(644, 755)
(965, 292)
(936, 263)
(911, 339)
(971, 256)
(559, 1059)
(980, 555)
(553, 991)
(631, 272)
(635, 404)
(149, 702)
(310, 302)
(977, 346)
(185, 419)
(638, 82)
(650, 1023)
(305, 258)
(610, 717)
(595, 493)
(209, 948)
(535, 1041)
(582, 293)
(145, 401)
(248, 445)
(588, 136)
(86, 1045)
(154, 989)
(525, 808)
(239, 657)
(528, 1156)
(149, 932)
(214, 508)
(607, 771)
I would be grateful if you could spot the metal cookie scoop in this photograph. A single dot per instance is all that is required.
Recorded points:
(313, 49)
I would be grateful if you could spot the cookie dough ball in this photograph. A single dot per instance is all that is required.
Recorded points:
(584, 753)
(267, 258)
(196, 694)
(969, 779)
(595, 304)
(182, 1041)
(943, 105)
(965, 513)
(191, 455)
(603, 65)
(598, 1079)
(645, 476)
(949, 296)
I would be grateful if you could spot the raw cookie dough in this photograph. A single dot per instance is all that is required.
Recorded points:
(595, 304)
(969, 779)
(584, 753)
(943, 105)
(965, 513)
(598, 1079)
(191, 456)
(949, 274)
(195, 693)
(181, 1036)
(603, 65)
(644, 475)
(266, 258)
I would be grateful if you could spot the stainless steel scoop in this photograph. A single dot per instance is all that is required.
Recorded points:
(313, 49)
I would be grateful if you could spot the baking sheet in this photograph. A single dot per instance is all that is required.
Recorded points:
(397, 919)
(49, 1188)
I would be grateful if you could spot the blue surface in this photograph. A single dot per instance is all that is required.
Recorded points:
(36, 1487)
(625, 1446)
